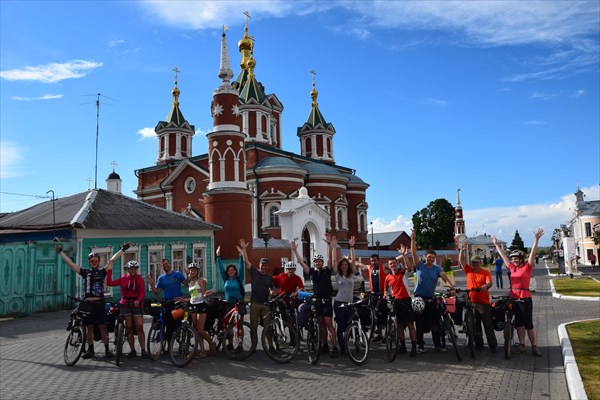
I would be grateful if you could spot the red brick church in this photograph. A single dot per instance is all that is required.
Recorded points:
(247, 183)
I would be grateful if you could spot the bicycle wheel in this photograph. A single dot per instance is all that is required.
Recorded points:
(155, 341)
(471, 332)
(284, 341)
(313, 340)
(119, 340)
(508, 337)
(240, 340)
(183, 346)
(451, 333)
(74, 345)
(391, 339)
(373, 325)
(357, 344)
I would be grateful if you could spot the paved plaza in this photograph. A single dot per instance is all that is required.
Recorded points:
(31, 367)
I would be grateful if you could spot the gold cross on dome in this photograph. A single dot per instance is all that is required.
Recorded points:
(313, 73)
(176, 70)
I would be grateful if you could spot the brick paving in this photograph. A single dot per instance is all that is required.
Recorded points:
(31, 367)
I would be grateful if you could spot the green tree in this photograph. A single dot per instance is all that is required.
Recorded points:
(517, 243)
(434, 225)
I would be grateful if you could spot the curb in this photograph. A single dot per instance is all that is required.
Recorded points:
(560, 296)
(574, 382)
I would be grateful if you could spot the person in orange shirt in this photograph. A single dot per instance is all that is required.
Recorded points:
(479, 279)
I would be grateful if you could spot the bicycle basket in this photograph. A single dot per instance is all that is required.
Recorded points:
(155, 309)
(498, 319)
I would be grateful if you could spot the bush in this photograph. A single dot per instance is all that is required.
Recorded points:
(447, 264)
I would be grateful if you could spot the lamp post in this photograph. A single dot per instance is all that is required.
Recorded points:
(377, 243)
(266, 236)
(372, 241)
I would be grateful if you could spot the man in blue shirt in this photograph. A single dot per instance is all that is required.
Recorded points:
(498, 268)
(170, 283)
(427, 279)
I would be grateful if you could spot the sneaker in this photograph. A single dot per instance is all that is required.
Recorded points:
(378, 338)
(230, 347)
(144, 354)
(493, 349)
(239, 349)
(479, 347)
(522, 349)
(441, 349)
(131, 354)
(536, 352)
(421, 349)
(109, 354)
(334, 353)
(413, 352)
(342, 351)
(402, 349)
(273, 350)
(324, 349)
(88, 354)
(212, 348)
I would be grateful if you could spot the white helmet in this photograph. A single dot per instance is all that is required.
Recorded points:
(418, 304)
(290, 265)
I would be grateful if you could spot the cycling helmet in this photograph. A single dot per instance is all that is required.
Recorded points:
(193, 265)
(92, 255)
(518, 253)
(318, 257)
(133, 264)
(290, 265)
(418, 304)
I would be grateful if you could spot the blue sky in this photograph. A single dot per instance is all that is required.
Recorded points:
(499, 99)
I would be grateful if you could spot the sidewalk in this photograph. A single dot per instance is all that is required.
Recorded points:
(31, 348)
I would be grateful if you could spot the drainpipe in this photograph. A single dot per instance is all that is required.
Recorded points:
(256, 189)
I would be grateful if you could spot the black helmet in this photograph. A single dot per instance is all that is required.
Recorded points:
(92, 255)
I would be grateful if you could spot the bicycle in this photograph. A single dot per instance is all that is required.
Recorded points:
(241, 338)
(391, 332)
(370, 319)
(507, 304)
(156, 340)
(76, 342)
(119, 339)
(280, 338)
(184, 341)
(313, 331)
(355, 338)
(447, 327)
(469, 319)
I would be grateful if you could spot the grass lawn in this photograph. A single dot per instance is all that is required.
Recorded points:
(586, 346)
(554, 271)
(578, 286)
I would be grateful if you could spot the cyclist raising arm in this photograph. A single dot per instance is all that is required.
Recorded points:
(520, 275)
(133, 291)
(323, 291)
(93, 290)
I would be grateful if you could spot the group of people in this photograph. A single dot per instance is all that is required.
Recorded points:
(390, 280)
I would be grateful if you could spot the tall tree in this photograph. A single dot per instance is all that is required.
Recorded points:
(517, 243)
(434, 225)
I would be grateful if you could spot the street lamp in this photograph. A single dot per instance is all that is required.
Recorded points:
(372, 241)
(265, 236)
(377, 243)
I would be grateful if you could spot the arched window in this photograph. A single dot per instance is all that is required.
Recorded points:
(273, 218)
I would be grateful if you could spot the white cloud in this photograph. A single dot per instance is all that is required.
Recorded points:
(53, 72)
(579, 93)
(542, 96)
(44, 97)
(11, 156)
(116, 42)
(435, 102)
(146, 133)
(535, 122)
(504, 221)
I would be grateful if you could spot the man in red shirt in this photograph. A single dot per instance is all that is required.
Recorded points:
(288, 281)
(479, 279)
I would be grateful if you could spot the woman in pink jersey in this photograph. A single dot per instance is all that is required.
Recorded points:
(520, 275)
